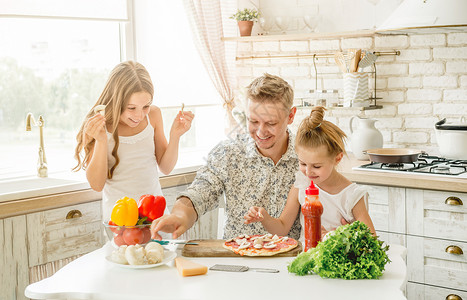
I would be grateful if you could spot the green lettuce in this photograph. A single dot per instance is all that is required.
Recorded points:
(350, 252)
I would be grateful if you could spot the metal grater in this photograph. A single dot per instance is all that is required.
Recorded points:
(237, 268)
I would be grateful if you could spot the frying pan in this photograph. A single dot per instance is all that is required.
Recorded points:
(393, 155)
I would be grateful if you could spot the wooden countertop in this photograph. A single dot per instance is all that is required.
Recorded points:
(399, 179)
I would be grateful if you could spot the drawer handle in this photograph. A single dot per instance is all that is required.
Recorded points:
(453, 297)
(73, 214)
(453, 201)
(454, 250)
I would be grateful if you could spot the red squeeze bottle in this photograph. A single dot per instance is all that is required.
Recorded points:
(312, 210)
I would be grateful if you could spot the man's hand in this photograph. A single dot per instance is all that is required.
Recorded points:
(169, 223)
(181, 219)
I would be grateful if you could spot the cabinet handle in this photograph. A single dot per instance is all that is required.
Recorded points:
(73, 214)
(453, 297)
(454, 250)
(453, 201)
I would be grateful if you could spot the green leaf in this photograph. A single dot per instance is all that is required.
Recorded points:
(246, 15)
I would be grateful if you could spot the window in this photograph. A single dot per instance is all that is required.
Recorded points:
(50, 66)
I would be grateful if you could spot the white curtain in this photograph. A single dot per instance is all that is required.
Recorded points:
(207, 21)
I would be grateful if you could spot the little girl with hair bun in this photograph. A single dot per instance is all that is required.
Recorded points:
(320, 147)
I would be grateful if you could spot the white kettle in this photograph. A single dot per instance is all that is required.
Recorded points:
(365, 137)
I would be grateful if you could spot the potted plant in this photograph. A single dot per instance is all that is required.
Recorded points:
(245, 19)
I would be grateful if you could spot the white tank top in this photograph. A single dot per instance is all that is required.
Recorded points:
(137, 173)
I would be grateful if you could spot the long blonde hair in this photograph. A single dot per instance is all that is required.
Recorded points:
(314, 131)
(125, 79)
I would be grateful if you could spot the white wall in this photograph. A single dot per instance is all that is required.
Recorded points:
(428, 81)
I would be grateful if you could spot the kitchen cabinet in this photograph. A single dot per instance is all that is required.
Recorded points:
(64, 232)
(387, 211)
(433, 227)
(35, 245)
(14, 276)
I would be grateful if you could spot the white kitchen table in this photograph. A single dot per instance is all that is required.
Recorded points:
(93, 277)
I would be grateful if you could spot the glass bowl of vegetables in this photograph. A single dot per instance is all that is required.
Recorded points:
(127, 235)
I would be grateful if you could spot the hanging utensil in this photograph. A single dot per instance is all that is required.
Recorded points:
(340, 61)
(367, 60)
(355, 60)
(348, 59)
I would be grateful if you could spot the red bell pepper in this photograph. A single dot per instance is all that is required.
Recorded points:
(151, 207)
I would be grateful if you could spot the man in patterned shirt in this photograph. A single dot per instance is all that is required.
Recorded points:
(257, 169)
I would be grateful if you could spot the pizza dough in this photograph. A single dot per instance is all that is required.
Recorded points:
(260, 245)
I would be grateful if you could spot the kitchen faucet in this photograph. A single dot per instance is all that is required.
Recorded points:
(42, 162)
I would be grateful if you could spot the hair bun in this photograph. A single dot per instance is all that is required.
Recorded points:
(316, 117)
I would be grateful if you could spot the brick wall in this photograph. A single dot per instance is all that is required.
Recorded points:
(427, 82)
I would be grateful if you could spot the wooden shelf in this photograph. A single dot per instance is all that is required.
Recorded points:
(301, 36)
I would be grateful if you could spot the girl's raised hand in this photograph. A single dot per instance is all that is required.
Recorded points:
(95, 127)
(255, 214)
(182, 123)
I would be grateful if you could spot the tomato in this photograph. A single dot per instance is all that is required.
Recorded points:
(117, 230)
(118, 240)
(133, 236)
(146, 235)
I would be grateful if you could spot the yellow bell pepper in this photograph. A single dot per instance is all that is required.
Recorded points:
(125, 212)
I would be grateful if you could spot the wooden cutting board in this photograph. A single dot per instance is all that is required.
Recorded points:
(213, 248)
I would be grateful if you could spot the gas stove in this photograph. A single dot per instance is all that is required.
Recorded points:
(425, 165)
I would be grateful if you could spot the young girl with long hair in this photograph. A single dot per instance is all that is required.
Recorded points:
(123, 149)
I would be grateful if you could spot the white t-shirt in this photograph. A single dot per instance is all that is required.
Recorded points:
(335, 206)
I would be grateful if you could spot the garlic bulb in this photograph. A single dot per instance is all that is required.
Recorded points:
(135, 255)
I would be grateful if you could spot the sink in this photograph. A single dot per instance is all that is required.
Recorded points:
(28, 187)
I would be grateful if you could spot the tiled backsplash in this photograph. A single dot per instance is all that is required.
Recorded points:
(425, 83)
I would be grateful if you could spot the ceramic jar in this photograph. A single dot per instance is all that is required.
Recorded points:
(365, 137)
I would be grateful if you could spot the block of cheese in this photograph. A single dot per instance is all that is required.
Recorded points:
(189, 268)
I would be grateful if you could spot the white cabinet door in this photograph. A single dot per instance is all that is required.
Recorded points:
(417, 291)
(14, 273)
(428, 214)
(51, 236)
(430, 262)
(387, 211)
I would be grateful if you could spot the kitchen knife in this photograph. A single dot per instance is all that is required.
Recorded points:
(173, 242)
(237, 268)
